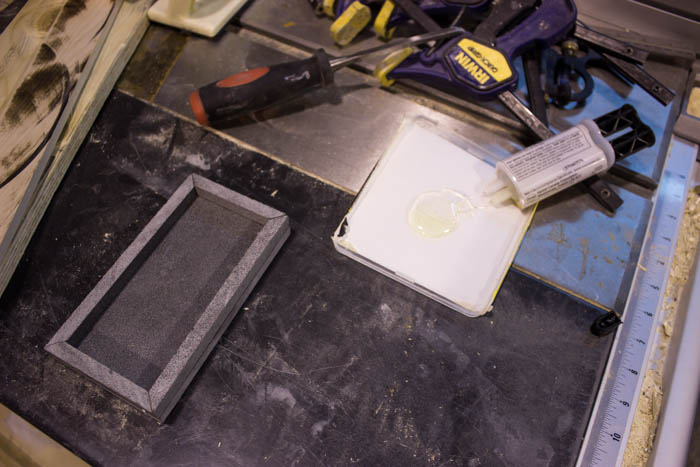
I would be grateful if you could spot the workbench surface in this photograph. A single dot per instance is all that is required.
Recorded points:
(328, 362)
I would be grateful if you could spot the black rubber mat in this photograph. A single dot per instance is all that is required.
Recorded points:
(328, 362)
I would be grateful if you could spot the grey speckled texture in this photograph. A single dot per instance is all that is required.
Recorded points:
(142, 328)
(148, 325)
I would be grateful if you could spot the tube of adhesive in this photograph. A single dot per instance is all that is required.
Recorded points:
(546, 168)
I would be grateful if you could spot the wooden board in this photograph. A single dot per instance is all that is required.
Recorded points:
(20, 42)
(39, 76)
(125, 35)
(23, 444)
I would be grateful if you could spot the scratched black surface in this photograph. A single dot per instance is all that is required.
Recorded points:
(329, 363)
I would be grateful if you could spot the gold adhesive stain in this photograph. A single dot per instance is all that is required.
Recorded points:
(558, 236)
(694, 103)
(584, 246)
(289, 24)
(612, 240)
(607, 260)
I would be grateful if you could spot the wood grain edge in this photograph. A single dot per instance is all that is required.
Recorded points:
(24, 444)
(129, 28)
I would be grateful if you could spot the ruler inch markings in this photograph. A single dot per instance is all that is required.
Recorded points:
(611, 419)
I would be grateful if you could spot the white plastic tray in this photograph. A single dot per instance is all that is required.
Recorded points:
(462, 269)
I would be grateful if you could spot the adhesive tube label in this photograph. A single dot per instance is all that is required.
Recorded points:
(541, 170)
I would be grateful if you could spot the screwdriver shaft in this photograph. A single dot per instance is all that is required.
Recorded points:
(411, 41)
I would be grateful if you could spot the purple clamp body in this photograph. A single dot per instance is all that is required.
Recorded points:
(340, 6)
(548, 24)
(440, 9)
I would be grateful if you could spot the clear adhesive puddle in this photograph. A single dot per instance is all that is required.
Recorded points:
(435, 214)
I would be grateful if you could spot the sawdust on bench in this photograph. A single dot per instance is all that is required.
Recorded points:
(646, 417)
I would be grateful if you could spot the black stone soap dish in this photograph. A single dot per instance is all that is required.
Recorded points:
(152, 320)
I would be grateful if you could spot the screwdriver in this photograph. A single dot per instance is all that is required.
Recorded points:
(252, 90)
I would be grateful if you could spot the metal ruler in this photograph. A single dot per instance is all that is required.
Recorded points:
(609, 427)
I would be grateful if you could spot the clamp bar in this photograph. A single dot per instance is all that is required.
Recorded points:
(634, 73)
(619, 48)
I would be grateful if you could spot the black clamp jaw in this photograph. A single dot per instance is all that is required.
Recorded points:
(639, 137)
(606, 324)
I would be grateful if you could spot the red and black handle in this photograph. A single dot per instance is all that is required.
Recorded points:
(253, 90)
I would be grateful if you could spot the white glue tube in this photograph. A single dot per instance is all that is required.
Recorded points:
(546, 168)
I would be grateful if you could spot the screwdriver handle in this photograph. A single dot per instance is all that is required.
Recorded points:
(253, 90)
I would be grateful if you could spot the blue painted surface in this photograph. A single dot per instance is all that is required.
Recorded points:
(572, 242)
(586, 251)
